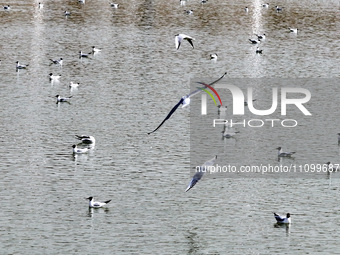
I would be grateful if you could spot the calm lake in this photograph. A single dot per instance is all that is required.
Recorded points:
(125, 91)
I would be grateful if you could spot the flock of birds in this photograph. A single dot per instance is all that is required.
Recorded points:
(88, 142)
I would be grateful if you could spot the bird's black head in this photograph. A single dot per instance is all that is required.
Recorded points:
(278, 148)
(288, 215)
(73, 146)
(89, 198)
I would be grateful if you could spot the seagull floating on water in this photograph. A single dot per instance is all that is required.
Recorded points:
(252, 41)
(180, 37)
(293, 30)
(114, 5)
(62, 99)
(7, 7)
(213, 56)
(54, 77)
(278, 9)
(284, 154)
(88, 139)
(73, 85)
(18, 66)
(246, 9)
(258, 51)
(228, 132)
(281, 219)
(261, 37)
(40, 5)
(265, 5)
(67, 13)
(95, 50)
(83, 55)
(95, 204)
(77, 150)
(57, 61)
(81, 1)
(189, 12)
(199, 172)
(185, 100)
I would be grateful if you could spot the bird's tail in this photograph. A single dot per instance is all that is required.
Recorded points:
(108, 201)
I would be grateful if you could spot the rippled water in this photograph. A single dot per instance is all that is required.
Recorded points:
(125, 91)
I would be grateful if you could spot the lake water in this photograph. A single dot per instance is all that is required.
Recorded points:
(125, 91)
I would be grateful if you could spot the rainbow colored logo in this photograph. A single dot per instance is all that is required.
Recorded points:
(209, 93)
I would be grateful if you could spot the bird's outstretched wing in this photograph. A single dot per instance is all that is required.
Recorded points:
(169, 115)
(199, 90)
(194, 180)
(178, 41)
(181, 101)
(190, 41)
(202, 169)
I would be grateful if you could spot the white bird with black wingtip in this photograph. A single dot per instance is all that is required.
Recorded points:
(97, 204)
(180, 37)
(281, 153)
(281, 219)
(200, 171)
(87, 139)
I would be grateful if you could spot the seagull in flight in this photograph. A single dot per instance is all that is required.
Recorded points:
(95, 204)
(281, 219)
(180, 37)
(200, 171)
(185, 100)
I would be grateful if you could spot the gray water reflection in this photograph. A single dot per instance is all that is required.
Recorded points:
(124, 92)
